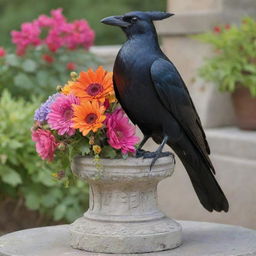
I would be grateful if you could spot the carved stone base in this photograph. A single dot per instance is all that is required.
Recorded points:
(123, 216)
(124, 237)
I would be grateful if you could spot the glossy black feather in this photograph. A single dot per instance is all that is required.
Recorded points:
(154, 96)
(175, 97)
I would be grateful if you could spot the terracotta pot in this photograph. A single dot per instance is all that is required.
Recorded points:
(245, 108)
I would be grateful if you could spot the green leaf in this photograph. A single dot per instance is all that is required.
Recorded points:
(29, 65)
(48, 200)
(32, 201)
(59, 212)
(73, 213)
(14, 144)
(42, 77)
(46, 179)
(12, 177)
(125, 156)
(85, 149)
(3, 158)
(12, 60)
(108, 152)
(23, 81)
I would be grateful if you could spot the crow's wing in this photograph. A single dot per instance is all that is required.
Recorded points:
(175, 97)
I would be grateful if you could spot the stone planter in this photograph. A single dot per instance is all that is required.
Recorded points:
(123, 216)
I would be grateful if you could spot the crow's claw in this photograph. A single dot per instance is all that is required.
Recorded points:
(140, 153)
(156, 155)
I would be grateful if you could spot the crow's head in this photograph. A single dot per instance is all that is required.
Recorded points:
(136, 22)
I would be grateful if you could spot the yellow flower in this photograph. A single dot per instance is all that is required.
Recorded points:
(112, 97)
(74, 76)
(91, 140)
(55, 175)
(96, 149)
(67, 88)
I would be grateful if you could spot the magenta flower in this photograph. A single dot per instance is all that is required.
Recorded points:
(61, 113)
(44, 21)
(29, 35)
(45, 143)
(80, 35)
(120, 133)
(58, 16)
(2, 52)
(60, 33)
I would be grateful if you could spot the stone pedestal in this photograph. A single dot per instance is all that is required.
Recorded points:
(123, 216)
(199, 239)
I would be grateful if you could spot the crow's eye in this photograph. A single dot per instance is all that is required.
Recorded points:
(130, 19)
(134, 19)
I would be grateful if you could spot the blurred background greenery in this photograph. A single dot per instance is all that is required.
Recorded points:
(15, 12)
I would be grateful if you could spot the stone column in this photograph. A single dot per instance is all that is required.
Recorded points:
(123, 216)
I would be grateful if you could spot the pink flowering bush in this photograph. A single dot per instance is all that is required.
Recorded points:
(76, 121)
(60, 33)
(47, 50)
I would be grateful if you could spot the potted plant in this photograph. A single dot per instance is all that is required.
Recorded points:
(82, 124)
(233, 67)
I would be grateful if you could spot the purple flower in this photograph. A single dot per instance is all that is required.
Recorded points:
(44, 109)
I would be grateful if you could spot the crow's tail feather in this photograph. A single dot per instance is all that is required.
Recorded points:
(206, 187)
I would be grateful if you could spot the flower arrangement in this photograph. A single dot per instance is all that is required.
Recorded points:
(234, 62)
(83, 118)
(47, 50)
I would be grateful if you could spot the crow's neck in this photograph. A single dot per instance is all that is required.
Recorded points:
(147, 41)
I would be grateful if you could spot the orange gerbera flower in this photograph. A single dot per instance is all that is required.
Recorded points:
(88, 116)
(92, 85)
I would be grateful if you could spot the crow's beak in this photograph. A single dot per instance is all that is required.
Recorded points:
(115, 21)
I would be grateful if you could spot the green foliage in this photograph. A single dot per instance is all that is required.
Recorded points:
(234, 62)
(23, 174)
(31, 74)
(15, 12)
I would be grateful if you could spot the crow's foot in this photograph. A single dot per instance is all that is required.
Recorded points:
(140, 153)
(155, 155)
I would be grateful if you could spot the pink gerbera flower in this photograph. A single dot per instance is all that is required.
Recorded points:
(120, 133)
(45, 143)
(61, 113)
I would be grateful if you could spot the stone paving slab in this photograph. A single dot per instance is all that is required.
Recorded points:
(199, 239)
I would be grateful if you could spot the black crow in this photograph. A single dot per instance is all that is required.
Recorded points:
(154, 96)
